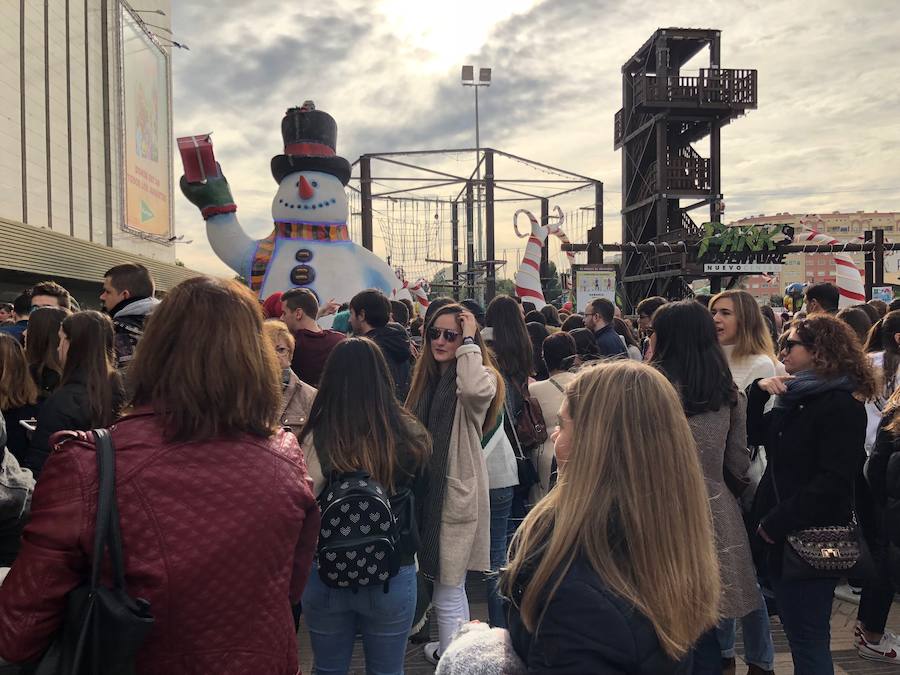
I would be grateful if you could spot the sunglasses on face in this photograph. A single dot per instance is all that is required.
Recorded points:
(449, 335)
(790, 344)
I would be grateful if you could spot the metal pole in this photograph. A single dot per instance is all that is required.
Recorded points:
(869, 265)
(545, 249)
(595, 234)
(478, 171)
(878, 254)
(470, 244)
(490, 289)
(454, 229)
(365, 190)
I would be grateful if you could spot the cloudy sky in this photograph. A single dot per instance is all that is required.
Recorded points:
(826, 135)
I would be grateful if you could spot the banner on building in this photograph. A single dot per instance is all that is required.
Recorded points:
(593, 281)
(148, 199)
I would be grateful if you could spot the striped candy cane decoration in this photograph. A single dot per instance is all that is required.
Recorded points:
(848, 277)
(419, 292)
(528, 277)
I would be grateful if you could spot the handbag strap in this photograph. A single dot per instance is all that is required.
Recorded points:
(512, 425)
(556, 384)
(108, 509)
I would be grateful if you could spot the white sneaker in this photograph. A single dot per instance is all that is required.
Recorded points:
(886, 650)
(848, 593)
(431, 652)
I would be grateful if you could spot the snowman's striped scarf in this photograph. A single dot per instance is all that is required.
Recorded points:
(295, 231)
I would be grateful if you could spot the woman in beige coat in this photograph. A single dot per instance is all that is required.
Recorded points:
(457, 394)
(297, 396)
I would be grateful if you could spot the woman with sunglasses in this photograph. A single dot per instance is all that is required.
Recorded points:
(457, 394)
(814, 437)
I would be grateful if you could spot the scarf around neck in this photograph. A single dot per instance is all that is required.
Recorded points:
(437, 411)
(807, 384)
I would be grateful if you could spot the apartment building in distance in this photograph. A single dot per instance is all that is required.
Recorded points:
(820, 267)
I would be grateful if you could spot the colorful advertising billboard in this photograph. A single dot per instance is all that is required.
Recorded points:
(148, 198)
(594, 281)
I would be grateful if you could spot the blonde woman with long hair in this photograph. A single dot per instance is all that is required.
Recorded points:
(744, 337)
(457, 394)
(747, 343)
(613, 571)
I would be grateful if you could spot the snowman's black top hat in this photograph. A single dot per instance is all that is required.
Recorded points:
(310, 140)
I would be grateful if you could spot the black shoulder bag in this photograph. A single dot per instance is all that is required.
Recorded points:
(103, 628)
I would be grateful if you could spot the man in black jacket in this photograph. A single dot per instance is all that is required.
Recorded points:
(370, 311)
(128, 298)
(598, 317)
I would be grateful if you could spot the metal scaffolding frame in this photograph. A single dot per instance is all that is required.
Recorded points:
(542, 190)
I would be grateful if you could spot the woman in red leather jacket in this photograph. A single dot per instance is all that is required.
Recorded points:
(219, 522)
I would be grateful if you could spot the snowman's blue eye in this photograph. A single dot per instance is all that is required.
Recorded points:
(315, 184)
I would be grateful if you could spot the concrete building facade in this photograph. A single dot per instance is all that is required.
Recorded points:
(64, 78)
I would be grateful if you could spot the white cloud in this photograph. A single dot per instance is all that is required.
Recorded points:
(824, 135)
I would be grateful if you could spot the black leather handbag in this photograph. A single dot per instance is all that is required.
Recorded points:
(103, 627)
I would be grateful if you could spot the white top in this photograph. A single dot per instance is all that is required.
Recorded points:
(550, 398)
(747, 369)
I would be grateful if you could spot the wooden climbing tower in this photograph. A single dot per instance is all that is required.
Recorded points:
(664, 113)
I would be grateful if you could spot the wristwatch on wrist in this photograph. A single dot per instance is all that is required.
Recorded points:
(468, 340)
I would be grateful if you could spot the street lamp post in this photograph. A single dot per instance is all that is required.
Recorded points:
(484, 80)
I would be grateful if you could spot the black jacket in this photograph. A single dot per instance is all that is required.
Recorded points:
(589, 629)
(609, 344)
(66, 409)
(883, 477)
(393, 340)
(815, 451)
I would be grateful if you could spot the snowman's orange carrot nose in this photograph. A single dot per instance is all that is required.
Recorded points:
(305, 189)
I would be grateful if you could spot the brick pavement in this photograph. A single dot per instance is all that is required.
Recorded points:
(843, 619)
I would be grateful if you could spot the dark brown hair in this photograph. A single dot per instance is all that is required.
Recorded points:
(204, 365)
(380, 437)
(42, 340)
(427, 371)
(131, 277)
(836, 351)
(16, 386)
(511, 343)
(54, 290)
(301, 298)
(90, 361)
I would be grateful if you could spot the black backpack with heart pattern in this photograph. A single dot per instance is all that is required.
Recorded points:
(359, 534)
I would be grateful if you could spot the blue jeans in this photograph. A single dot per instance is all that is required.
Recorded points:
(336, 615)
(758, 647)
(501, 503)
(805, 610)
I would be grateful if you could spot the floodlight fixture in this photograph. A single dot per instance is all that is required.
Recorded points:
(484, 75)
(468, 74)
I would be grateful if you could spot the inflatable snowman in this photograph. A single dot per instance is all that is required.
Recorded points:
(310, 245)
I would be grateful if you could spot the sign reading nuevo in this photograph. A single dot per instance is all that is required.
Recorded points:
(743, 249)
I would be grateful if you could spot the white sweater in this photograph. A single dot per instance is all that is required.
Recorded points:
(748, 369)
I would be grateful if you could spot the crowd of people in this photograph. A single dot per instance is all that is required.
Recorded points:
(632, 490)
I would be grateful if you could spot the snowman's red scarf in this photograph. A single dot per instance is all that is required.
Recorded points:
(294, 231)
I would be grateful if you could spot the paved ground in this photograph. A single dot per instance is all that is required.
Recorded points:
(843, 619)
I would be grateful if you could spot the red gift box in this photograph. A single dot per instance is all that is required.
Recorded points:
(198, 158)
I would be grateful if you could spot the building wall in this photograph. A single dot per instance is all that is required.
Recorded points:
(820, 267)
(52, 83)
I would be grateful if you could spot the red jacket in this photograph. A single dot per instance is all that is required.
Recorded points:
(218, 536)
